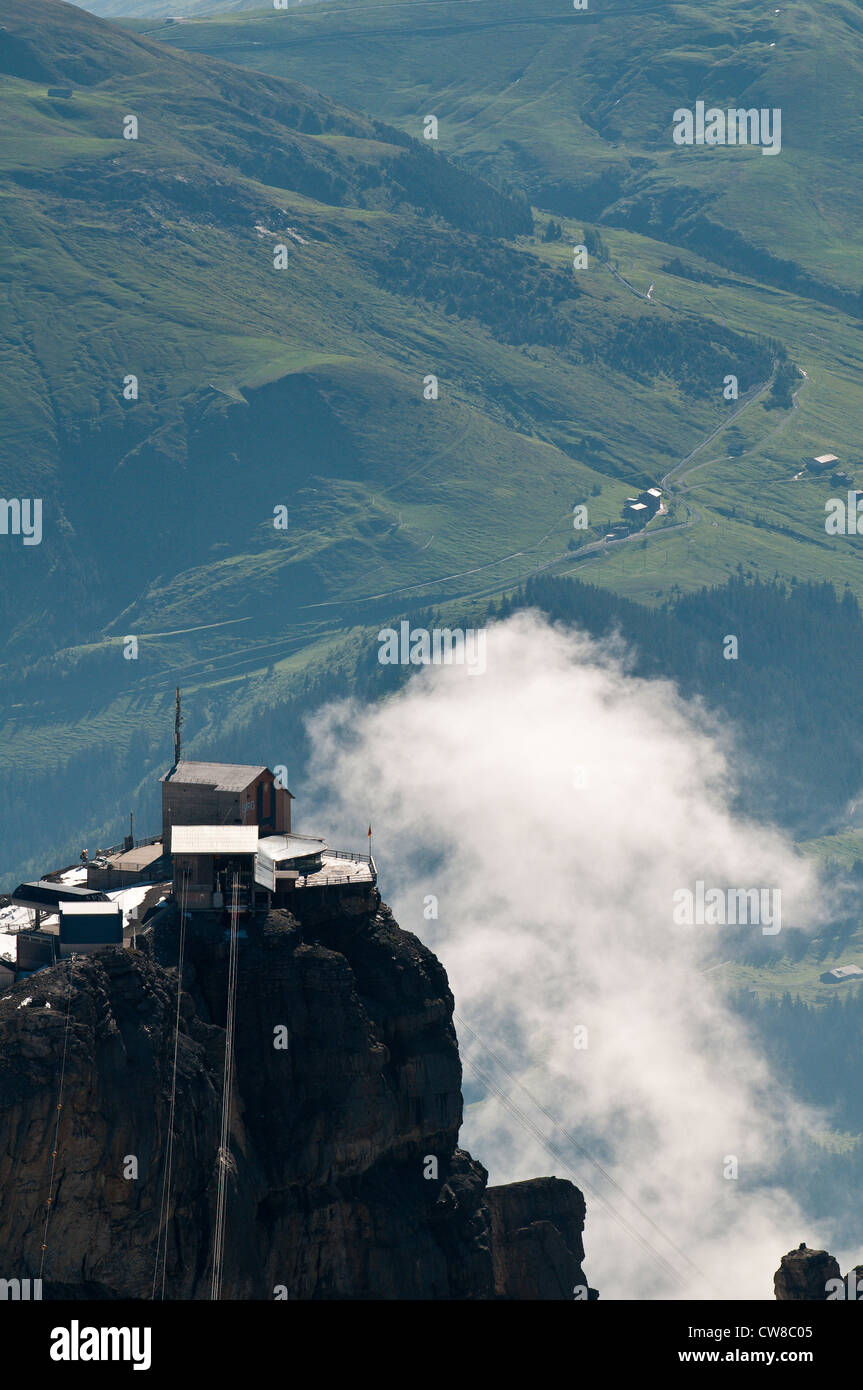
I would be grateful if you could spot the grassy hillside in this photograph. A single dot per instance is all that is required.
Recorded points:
(263, 388)
(110, 9)
(576, 110)
(304, 388)
(577, 107)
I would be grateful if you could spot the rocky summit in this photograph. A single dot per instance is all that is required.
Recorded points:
(803, 1274)
(344, 1175)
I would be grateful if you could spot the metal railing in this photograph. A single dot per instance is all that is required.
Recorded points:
(122, 848)
(337, 883)
(352, 857)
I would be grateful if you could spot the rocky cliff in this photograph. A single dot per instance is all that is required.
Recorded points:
(814, 1276)
(345, 1179)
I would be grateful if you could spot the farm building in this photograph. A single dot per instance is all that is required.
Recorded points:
(823, 463)
(840, 973)
(652, 499)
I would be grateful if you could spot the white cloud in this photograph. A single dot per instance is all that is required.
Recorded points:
(555, 910)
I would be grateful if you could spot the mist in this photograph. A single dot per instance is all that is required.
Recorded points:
(532, 825)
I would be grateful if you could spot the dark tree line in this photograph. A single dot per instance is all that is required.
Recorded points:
(430, 183)
(818, 1051)
(516, 296)
(693, 351)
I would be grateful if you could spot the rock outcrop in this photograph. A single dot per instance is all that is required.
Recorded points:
(536, 1241)
(804, 1274)
(345, 1180)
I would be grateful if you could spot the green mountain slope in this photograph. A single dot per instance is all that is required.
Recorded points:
(576, 107)
(110, 9)
(259, 389)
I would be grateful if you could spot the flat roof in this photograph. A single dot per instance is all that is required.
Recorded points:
(335, 870)
(46, 894)
(89, 909)
(214, 839)
(140, 858)
(826, 458)
(279, 847)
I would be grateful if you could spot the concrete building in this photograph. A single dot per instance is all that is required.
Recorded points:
(207, 860)
(227, 828)
(224, 794)
(822, 463)
(35, 949)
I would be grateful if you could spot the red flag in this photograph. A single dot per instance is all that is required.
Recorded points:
(370, 832)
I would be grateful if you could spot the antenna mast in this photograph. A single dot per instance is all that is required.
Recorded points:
(178, 720)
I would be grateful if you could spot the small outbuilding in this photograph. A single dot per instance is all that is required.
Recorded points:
(89, 927)
(35, 949)
(840, 973)
(652, 499)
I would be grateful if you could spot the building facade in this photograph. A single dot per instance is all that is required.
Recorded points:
(89, 927)
(224, 794)
(212, 863)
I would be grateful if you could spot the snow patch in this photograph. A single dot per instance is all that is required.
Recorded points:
(77, 875)
(130, 899)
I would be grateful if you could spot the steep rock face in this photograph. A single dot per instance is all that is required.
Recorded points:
(804, 1274)
(344, 1175)
(536, 1240)
(115, 1095)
